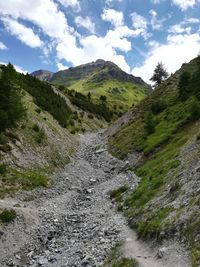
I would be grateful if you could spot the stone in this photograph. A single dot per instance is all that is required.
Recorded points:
(161, 252)
(42, 261)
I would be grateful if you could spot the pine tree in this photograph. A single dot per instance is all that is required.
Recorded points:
(160, 74)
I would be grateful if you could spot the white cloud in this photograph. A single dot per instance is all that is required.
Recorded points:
(140, 23)
(190, 21)
(156, 23)
(92, 48)
(68, 44)
(71, 3)
(156, 1)
(178, 28)
(116, 38)
(60, 66)
(113, 16)
(184, 4)
(3, 46)
(24, 34)
(178, 49)
(86, 23)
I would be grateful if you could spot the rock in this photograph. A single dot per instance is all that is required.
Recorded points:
(1, 233)
(18, 257)
(42, 261)
(100, 151)
(161, 252)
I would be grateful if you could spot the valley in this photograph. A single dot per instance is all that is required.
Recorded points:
(98, 169)
(74, 222)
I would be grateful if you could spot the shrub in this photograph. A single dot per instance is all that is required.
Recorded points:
(11, 108)
(117, 193)
(35, 128)
(90, 116)
(71, 122)
(7, 216)
(41, 136)
(183, 86)
(150, 124)
(3, 168)
(38, 110)
(158, 106)
(195, 109)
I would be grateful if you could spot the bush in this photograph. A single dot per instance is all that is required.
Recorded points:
(158, 106)
(45, 98)
(150, 124)
(11, 108)
(41, 136)
(3, 168)
(72, 123)
(38, 110)
(36, 128)
(90, 116)
(7, 216)
(195, 109)
(183, 86)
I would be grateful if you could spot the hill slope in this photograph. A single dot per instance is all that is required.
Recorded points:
(103, 78)
(36, 122)
(160, 138)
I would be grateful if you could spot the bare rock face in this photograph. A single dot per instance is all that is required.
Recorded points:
(43, 75)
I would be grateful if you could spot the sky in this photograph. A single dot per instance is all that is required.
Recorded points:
(134, 34)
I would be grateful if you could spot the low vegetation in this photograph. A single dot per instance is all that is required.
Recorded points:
(116, 259)
(7, 215)
(163, 125)
(11, 108)
(13, 180)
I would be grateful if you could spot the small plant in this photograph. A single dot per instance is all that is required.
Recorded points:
(150, 124)
(117, 193)
(71, 122)
(7, 216)
(41, 136)
(38, 110)
(198, 137)
(90, 116)
(35, 127)
(3, 169)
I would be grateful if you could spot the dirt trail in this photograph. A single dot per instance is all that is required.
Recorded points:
(74, 223)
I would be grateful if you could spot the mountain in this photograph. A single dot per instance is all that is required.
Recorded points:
(160, 139)
(43, 75)
(101, 77)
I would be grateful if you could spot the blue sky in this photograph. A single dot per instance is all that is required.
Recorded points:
(135, 34)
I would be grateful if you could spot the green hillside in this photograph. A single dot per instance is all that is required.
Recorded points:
(36, 127)
(164, 134)
(104, 78)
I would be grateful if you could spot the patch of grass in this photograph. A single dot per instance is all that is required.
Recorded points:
(7, 215)
(3, 169)
(117, 193)
(191, 232)
(116, 259)
(153, 225)
(135, 137)
(14, 180)
(154, 172)
(195, 252)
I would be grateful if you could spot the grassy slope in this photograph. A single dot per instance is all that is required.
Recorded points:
(31, 151)
(123, 94)
(150, 208)
(98, 80)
